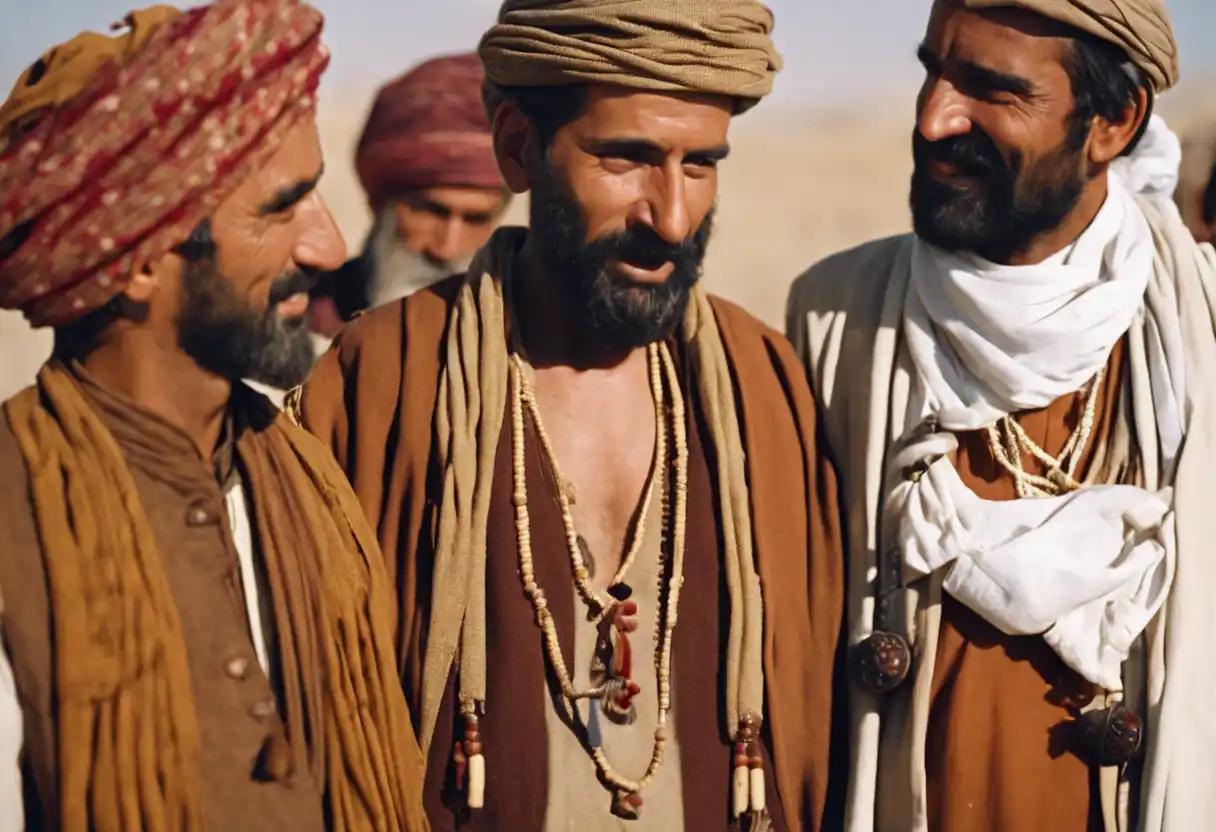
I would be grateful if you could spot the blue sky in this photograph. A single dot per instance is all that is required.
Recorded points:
(834, 51)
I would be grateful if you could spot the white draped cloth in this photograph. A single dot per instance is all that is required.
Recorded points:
(1088, 570)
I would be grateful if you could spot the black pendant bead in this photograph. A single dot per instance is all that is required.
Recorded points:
(620, 592)
(881, 662)
(1111, 736)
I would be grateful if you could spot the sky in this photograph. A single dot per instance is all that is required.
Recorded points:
(835, 52)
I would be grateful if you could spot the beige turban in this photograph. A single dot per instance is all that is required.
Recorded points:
(1141, 28)
(722, 47)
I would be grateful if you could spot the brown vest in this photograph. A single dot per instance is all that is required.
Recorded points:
(233, 697)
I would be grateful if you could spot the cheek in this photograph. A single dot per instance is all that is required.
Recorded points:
(474, 236)
(419, 229)
(606, 197)
(701, 192)
(248, 256)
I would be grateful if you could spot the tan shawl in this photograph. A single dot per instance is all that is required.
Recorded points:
(122, 673)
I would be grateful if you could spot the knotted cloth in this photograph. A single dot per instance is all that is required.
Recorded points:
(1141, 28)
(428, 129)
(722, 47)
(113, 149)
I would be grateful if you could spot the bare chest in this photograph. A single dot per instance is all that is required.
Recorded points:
(603, 440)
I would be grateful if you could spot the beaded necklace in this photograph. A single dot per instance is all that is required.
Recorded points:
(1061, 471)
(626, 792)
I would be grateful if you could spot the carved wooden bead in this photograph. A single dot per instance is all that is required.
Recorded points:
(881, 662)
(1111, 736)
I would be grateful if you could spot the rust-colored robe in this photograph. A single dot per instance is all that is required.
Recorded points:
(998, 753)
(372, 398)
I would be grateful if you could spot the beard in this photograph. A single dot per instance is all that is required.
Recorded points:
(1002, 207)
(226, 335)
(616, 313)
(395, 271)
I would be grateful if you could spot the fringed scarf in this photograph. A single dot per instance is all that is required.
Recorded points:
(122, 673)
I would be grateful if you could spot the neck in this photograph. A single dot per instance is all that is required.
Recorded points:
(548, 323)
(1067, 232)
(164, 380)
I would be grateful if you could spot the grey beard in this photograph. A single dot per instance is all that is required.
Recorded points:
(395, 272)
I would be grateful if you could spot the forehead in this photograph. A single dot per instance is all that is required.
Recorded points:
(1009, 40)
(459, 200)
(296, 160)
(678, 119)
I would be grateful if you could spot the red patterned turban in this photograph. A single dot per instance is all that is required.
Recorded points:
(428, 129)
(112, 150)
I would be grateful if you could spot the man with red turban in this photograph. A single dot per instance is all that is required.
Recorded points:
(426, 162)
(196, 617)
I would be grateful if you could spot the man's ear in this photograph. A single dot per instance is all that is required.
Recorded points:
(514, 146)
(146, 280)
(1108, 139)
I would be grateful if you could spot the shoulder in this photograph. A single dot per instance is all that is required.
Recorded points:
(743, 333)
(385, 326)
(854, 273)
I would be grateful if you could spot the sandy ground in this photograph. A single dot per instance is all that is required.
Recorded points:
(793, 191)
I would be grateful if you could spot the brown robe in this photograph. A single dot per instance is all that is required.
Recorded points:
(183, 497)
(372, 398)
(998, 754)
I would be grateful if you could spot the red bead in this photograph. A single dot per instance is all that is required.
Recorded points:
(756, 762)
(474, 748)
(741, 761)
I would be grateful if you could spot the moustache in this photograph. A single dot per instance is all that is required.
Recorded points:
(644, 247)
(300, 282)
(973, 153)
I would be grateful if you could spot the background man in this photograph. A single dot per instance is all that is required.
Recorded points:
(426, 163)
(197, 622)
(1020, 392)
(574, 436)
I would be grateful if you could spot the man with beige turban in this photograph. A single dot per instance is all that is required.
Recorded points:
(197, 621)
(426, 163)
(1021, 393)
(601, 490)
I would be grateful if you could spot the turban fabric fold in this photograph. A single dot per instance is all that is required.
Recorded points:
(112, 150)
(428, 129)
(1141, 28)
(721, 47)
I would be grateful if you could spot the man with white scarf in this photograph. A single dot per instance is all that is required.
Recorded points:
(1017, 397)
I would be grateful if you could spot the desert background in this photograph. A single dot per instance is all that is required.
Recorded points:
(821, 166)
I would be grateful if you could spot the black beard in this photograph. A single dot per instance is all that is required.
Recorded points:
(224, 334)
(1002, 208)
(619, 315)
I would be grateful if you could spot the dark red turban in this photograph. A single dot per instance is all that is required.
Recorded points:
(112, 150)
(428, 129)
